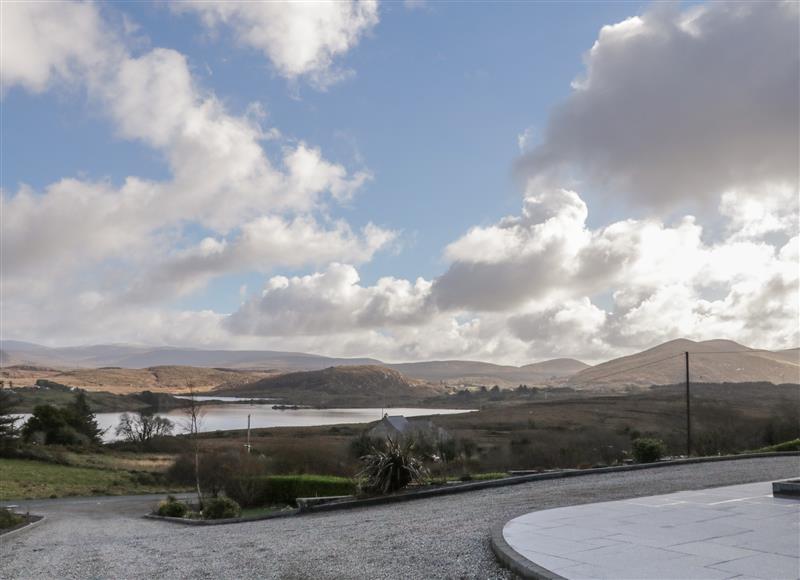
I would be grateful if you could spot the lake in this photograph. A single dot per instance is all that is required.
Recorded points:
(234, 416)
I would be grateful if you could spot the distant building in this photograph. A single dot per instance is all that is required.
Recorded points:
(398, 427)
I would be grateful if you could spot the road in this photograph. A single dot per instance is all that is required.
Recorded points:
(445, 537)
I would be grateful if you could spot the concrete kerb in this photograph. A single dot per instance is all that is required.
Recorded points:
(222, 522)
(515, 480)
(28, 525)
(514, 561)
(473, 486)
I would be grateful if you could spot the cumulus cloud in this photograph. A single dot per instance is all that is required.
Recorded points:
(300, 39)
(123, 244)
(532, 285)
(330, 302)
(262, 245)
(681, 105)
(674, 105)
(46, 41)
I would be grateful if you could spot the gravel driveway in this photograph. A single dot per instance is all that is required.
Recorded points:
(445, 537)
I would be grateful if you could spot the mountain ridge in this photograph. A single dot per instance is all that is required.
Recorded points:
(710, 361)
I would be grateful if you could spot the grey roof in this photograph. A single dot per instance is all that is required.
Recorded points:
(399, 422)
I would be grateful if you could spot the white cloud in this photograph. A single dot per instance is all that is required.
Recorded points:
(330, 302)
(262, 245)
(121, 246)
(678, 106)
(300, 39)
(47, 41)
(526, 288)
(524, 139)
(104, 262)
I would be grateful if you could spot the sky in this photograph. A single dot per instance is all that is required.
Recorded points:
(507, 182)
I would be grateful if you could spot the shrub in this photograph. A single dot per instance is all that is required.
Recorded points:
(392, 469)
(9, 519)
(172, 508)
(218, 508)
(277, 489)
(646, 450)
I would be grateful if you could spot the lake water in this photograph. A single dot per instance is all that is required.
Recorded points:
(225, 417)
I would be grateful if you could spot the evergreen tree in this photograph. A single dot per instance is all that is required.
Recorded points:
(50, 425)
(83, 420)
(8, 428)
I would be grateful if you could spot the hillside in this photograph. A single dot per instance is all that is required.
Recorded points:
(370, 385)
(139, 357)
(557, 367)
(172, 379)
(481, 373)
(711, 361)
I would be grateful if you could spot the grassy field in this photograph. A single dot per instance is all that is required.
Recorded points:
(576, 430)
(29, 479)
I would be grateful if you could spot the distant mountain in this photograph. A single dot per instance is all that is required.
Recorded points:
(557, 367)
(142, 357)
(369, 384)
(170, 379)
(711, 361)
(481, 373)
(138, 357)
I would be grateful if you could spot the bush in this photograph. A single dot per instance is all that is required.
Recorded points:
(392, 469)
(285, 489)
(9, 519)
(219, 508)
(646, 450)
(172, 508)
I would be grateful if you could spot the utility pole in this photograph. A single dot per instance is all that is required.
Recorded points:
(688, 411)
(248, 434)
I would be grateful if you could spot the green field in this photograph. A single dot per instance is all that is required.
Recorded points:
(28, 479)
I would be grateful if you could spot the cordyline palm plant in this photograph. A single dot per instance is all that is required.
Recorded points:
(391, 468)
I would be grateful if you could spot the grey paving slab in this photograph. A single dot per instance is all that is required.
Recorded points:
(762, 566)
(735, 531)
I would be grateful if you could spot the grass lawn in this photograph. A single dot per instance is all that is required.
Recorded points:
(488, 476)
(28, 479)
(256, 512)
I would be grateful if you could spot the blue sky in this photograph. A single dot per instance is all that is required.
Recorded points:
(432, 104)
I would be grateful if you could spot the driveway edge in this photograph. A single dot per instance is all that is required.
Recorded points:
(473, 486)
(514, 561)
(27, 526)
(518, 479)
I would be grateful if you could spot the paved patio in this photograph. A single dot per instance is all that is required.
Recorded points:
(739, 532)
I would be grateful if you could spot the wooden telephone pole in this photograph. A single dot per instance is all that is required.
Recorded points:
(688, 411)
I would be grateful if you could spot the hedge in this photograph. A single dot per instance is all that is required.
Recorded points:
(285, 489)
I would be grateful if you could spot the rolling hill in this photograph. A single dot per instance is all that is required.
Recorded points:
(481, 373)
(711, 361)
(167, 379)
(370, 385)
(138, 357)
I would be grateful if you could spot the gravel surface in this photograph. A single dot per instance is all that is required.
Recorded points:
(445, 537)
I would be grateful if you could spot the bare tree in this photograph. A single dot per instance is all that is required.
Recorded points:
(194, 415)
(143, 427)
